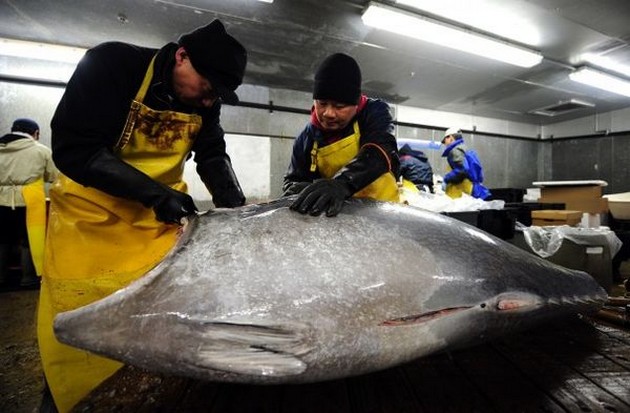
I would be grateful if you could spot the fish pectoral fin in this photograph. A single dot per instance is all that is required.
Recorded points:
(254, 349)
(269, 336)
(255, 361)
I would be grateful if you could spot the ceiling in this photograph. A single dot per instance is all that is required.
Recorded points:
(288, 38)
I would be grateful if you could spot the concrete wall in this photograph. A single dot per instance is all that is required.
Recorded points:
(27, 101)
(610, 122)
(604, 158)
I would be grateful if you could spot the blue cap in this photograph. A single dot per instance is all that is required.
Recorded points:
(25, 125)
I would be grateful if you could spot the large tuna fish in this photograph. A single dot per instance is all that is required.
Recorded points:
(262, 294)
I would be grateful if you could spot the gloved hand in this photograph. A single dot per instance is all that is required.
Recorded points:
(293, 188)
(219, 177)
(325, 194)
(173, 206)
(111, 175)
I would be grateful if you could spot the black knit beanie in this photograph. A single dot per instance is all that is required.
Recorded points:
(218, 57)
(338, 78)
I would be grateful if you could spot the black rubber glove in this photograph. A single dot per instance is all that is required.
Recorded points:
(323, 195)
(113, 176)
(218, 176)
(174, 206)
(293, 188)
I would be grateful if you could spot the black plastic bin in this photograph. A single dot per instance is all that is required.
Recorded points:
(469, 217)
(507, 194)
(498, 222)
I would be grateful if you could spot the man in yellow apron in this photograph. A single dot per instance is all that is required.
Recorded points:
(24, 166)
(128, 120)
(347, 149)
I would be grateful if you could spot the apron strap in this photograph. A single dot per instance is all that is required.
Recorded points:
(136, 104)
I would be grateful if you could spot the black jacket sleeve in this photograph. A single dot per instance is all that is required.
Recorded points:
(299, 167)
(214, 165)
(378, 153)
(109, 174)
(94, 107)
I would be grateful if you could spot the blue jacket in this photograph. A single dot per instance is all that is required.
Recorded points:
(415, 167)
(465, 164)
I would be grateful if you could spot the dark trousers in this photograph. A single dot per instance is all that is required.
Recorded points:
(13, 233)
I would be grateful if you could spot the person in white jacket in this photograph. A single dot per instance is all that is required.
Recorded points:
(23, 162)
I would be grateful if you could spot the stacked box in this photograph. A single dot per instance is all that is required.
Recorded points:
(524, 210)
(555, 217)
(584, 198)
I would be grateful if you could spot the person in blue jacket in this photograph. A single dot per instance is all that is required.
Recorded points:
(415, 167)
(466, 172)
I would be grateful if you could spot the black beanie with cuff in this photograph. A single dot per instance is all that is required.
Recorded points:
(338, 78)
(218, 57)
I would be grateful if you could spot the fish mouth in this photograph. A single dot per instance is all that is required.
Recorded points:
(422, 317)
(506, 303)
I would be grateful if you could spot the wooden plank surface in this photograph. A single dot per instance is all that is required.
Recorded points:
(573, 365)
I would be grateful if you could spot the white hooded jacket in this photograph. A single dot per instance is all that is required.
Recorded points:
(22, 161)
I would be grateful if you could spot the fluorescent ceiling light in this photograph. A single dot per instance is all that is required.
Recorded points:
(601, 80)
(423, 28)
(266, 1)
(499, 18)
(606, 63)
(41, 51)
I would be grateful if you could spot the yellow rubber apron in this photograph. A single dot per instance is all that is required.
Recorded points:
(331, 158)
(99, 243)
(34, 195)
(456, 190)
(405, 188)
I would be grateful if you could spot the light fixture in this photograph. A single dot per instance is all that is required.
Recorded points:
(601, 80)
(423, 28)
(266, 1)
(41, 51)
(497, 18)
(606, 63)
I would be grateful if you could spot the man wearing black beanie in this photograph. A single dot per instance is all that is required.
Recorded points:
(129, 119)
(347, 149)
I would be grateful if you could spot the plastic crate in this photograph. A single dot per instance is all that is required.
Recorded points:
(508, 194)
(469, 217)
(498, 222)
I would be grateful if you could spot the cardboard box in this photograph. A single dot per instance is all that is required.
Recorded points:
(590, 205)
(547, 217)
(563, 193)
